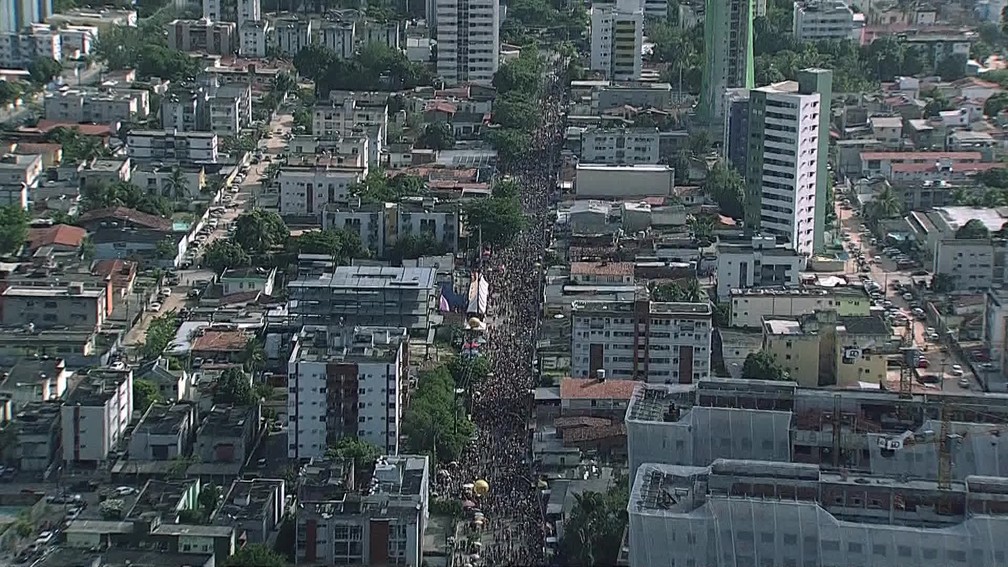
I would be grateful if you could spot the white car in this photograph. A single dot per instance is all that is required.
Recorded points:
(956, 370)
(125, 490)
(45, 538)
(154, 307)
(165, 292)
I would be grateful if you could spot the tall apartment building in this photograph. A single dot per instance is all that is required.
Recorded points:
(305, 190)
(736, 512)
(363, 295)
(19, 49)
(382, 523)
(381, 225)
(100, 106)
(17, 14)
(292, 34)
(212, 10)
(339, 36)
(728, 53)
(617, 39)
(468, 40)
(653, 341)
(825, 20)
(248, 11)
(345, 382)
(96, 415)
(786, 176)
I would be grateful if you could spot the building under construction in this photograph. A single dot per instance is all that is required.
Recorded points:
(754, 513)
(928, 437)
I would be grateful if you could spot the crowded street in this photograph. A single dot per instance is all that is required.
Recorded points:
(511, 518)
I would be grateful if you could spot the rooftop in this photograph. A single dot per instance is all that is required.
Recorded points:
(34, 370)
(602, 268)
(360, 343)
(957, 217)
(167, 498)
(99, 387)
(371, 277)
(656, 307)
(164, 419)
(227, 421)
(213, 340)
(647, 167)
(911, 156)
(590, 388)
(67, 557)
(248, 499)
(56, 235)
(36, 418)
(126, 214)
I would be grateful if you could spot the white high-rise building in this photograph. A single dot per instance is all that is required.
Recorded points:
(16, 14)
(788, 124)
(617, 39)
(468, 40)
(820, 20)
(248, 11)
(345, 382)
(212, 10)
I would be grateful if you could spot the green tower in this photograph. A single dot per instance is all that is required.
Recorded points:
(728, 52)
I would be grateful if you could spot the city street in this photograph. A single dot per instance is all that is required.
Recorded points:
(938, 372)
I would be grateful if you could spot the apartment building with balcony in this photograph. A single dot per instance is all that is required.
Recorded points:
(203, 36)
(171, 145)
(96, 415)
(617, 39)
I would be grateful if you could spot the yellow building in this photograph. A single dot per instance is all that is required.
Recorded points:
(825, 349)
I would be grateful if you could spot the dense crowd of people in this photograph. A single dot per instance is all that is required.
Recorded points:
(510, 515)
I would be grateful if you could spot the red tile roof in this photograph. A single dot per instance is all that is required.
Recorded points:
(441, 106)
(46, 126)
(959, 168)
(220, 341)
(128, 215)
(590, 388)
(56, 235)
(121, 272)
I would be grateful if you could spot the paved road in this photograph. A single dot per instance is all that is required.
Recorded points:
(883, 271)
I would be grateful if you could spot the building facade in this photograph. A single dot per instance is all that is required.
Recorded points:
(169, 145)
(756, 262)
(644, 340)
(17, 14)
(96, 415)
(620, 146)
(345, 383)
(306, 190)
(617, 39)
(786, 173)
(468, 40)
(728, 53)
(827, 20)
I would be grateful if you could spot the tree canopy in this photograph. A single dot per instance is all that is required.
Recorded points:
(234, 387)
(727, 188)
(500, 218)
(160, 333)
(259, 231)
(974, 229)
(360, 452)
(412, 246)
(594, 532)
(42, 70)
(124, 47)
(762, 365)
(435, 421)
(375, 67)
(437, 136)
(342, 245)
(378, 187)
(126, 194)
(145, 393)
(13, 229)
(224, 254)
(255, 555)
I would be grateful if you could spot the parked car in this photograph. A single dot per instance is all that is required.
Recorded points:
(956, 370)
(45, 538)
(964, 383)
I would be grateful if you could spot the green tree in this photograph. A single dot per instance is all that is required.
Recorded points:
(993, 178)
(679, 292)
(886, 205)
(437, 136)
(378, 187)
(360, 452)
(253, 356)
(125, 194)
(943, 283)
(10, 91)
(303, 120)
(722, 315)
(727, 188)
(522, 74)
(283, 83)
(701, 227)
(509, 143)
(177, 186)
(209, 496)
(223, 254)
(411, 246)
(42, 70)
(974, 229)
(952, 67)
(234, 387)
(124, 47)
(13, 229)
(762, 365)
(255, 555)
(313, 62)
(936, 103)
(259, 231)
(995, 104)
(145, 393)
(342, 245)
(77, 147)
(435, 421)
(500, 219)
(594, 532)
(469, 371)
(516, 110)
(160, 332)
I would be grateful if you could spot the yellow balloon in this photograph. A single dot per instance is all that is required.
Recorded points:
(481, 487)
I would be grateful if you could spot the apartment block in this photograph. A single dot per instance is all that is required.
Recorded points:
(71, 305)
(759, 261)
(254, 508)
(100, 106)
(305, 190)
(34, 379)
(380, 522)
(16, 14)
(617, 39)
(656, 342)
(228, 435)
(292, 34)
(169, 145)
(620, 146)
(728, 53)
(345, 382)
(339, 36)
(204, 36)
(96, 415)
(825, 349)
(995, 329)
(348, 112)
(36, 429)
(468, 35)
(736, 512)
(77, 41)
(19, 48)
(165, 432)
(786, 175)
(19, 177)
(254, 39)
(972, 263)
(381, 225)
(363, 295)
(186, 109)
(749, 307)
(249, 11)
(827, 20)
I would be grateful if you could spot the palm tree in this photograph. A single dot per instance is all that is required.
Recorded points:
(177, 186)
(701, 227)
(253, 356)
(886, 204)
